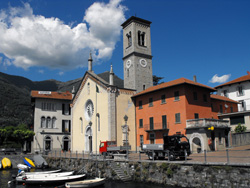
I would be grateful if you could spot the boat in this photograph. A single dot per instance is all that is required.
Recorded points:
(29, 162)
(52, 180)
(40, 161)
(86, 183)
(25, 177)
(41, 172)
(23, 167)
(6, 163)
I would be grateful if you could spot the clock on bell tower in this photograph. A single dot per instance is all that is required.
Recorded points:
(137, 58)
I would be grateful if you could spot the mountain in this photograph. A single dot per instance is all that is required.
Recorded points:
(15, 101)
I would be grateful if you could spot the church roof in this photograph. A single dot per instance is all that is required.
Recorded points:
(117, 81)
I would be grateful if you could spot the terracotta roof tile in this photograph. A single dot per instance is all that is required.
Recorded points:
(222, 98)
(237, 80)
(173, 83)
(51, 95)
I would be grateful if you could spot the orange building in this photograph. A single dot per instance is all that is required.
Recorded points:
(164, 109)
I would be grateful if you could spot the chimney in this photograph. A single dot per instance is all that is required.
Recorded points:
(73, 92)
(195, 79)
(111, 76)
(248, 72)
(90, 62)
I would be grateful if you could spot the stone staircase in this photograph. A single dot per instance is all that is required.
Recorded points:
(120, 172)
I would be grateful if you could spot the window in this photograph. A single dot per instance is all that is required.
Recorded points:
(66, 126)
(163, 99)
(140, 104)
(177, 118)
(141, 123)
(151, 120)
(65, 109)
(48, 123)
(242, 106)
(141, 140)
(232, 109)
(195, 96)
(129, 39)
(225, 93)
(48, 106)
(221, 108)
(205, 98)
(143, 87)
(150, 101)
(240, 91)
(164, 122)
(43, 123)
(141, 38)
(236, 120)
(53, 122)
(152, 138)
(196, 116)
(176, 96)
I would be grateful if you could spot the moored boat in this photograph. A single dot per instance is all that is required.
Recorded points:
(25, 177)
(41, 172)
(40, 161)
(28, 162)
(23, 167)
(6, 163)
(86, 183)
(53, 180)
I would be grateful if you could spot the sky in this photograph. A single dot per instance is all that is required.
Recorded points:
(52, 39)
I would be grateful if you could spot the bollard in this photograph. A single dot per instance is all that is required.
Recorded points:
(227, 156)
(205, 156)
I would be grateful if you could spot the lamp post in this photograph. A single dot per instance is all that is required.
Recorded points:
(126, 119)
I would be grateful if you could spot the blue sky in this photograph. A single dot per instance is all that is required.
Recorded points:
(51, 39)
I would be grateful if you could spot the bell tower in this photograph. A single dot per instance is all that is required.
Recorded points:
(137, 58)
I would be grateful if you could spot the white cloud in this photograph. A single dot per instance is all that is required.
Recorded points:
(221, 79)
(60, 73)
(41, 71)
(33, 40)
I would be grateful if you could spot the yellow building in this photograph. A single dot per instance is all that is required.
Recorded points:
(98, 110)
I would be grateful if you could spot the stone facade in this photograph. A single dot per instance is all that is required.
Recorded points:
(137, 57)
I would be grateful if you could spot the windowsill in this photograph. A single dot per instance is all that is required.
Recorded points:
(176, 100)
(150, 105)
(140, 127)
(140, 108)
(177, 122)
(163, 103)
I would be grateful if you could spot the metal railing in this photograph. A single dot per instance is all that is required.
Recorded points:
(225, 157)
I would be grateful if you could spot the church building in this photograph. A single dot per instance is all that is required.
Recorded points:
(102, 108)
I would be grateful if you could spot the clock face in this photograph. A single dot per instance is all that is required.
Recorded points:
(143, 62)
(89, 110)
(128, 63)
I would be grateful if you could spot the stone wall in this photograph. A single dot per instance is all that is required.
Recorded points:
(174, 174)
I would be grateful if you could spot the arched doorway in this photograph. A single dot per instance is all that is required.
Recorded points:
(88, 139)
(66, 143)
(196, 143)
(47, 143)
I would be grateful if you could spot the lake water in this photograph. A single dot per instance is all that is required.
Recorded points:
(6, 175)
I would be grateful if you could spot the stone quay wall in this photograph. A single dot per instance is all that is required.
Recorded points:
(165, 173)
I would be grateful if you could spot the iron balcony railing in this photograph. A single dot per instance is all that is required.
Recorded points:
(199, 123)
(156, 127)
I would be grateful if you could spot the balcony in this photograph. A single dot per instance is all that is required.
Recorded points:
(204, 123)
(156, 127)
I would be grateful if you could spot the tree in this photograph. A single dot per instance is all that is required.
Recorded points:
(156, 80)
(240, 128)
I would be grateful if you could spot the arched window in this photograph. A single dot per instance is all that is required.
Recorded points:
(48, 123)
(43, 124)
(54, 122)
(47, 143)
(141, 38)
